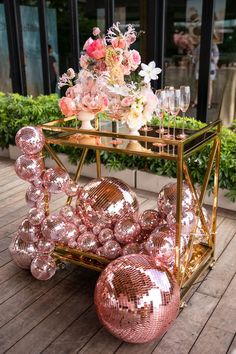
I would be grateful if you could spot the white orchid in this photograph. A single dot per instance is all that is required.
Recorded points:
(149, 72)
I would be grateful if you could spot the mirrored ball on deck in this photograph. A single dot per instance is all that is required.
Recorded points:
(106, 198)
(56, 180)
(87, 242)
(43, 267)
(22, 252)
(136, 299)
(45, 246)
(30, 140)
(28, 168)
(149, 219)
(111, 249)
(28, 232)
(53, 228)
(36, 216)
(105, 235)
(126, 230)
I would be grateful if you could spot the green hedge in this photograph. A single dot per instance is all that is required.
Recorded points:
(17, 111)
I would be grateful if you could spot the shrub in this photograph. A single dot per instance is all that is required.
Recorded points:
(17, 111)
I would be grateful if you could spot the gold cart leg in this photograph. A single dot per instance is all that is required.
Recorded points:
(98, 164)
(215, 195)
(46, 196)
(208, 171)
(78, 171)
(178, 212)
(55, 157)
(199, 208)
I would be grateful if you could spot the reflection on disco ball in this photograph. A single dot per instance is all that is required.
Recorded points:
(136, 298)
(167, 199)
(107, 198)
(22, 252)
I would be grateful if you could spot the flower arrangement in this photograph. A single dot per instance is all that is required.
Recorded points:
(104, 82)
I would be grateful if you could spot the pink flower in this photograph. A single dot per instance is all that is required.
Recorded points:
(87, 43)
(130, 39)
(96, 31)
(134, 59)
(126, 67)
(84, 61)
(127, 101)
(96, 50)
(67, 106)
(118, 42)
(100, 66)
(73, 91)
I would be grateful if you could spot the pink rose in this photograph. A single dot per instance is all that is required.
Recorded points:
(67, 106)
(87, 43)
(127, 101)
(134, 59)
(96, 50)
(126, 67)
(118, 42)
(73, 91)
(84, 61)
(96, 31)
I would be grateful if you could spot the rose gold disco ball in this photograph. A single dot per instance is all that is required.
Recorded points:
(106, 198)
(136, 299)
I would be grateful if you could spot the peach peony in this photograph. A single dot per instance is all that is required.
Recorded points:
(96, 50)
(87, 43)
(118, 42)
(67, 106)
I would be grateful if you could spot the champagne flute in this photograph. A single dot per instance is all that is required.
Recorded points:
(174, 108)
(166, 105)
(174, 103)
(184, 104)
(160, 113)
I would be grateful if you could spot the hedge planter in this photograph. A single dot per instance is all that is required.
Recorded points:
(151, 182)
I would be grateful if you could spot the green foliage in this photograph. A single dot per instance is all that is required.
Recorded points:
(17, 111)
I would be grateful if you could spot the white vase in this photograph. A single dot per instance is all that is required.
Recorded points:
(86, 118)
(134, 131)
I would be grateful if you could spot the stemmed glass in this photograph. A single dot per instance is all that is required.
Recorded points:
(166, 106)
(184, 104)
(174, 104)
(161, 95)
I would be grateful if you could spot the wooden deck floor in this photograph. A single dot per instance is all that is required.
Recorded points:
(58, 316)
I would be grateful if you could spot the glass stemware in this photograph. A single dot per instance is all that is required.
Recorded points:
(174, 103)
(184, 104)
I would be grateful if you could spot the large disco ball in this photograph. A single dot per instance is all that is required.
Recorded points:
(137, 299)
(30, 140)
(22, 252)
(167, 199)
(106, 198)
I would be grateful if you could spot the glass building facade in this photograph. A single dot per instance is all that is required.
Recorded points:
(68, 23)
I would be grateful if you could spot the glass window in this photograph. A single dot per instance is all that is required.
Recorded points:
(5, 74)
(182, 41)
(224, 86)
(32, 49)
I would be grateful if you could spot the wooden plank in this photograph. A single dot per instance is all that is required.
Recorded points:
(76, 335)
(220, 276)
(15, 284)
(24, 298)
(181, 336)
(212, 340)
(7, 271)
(53, 325)
(225, 232)
(102, 342)
(15, 329)
(232, 348)
(4, 258)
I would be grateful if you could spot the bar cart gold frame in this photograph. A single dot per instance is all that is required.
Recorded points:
(197, 257)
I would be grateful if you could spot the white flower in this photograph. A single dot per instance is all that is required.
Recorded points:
(119, 90)
(149, 72)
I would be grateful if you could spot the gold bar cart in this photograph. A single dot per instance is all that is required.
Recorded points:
(198, 257)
